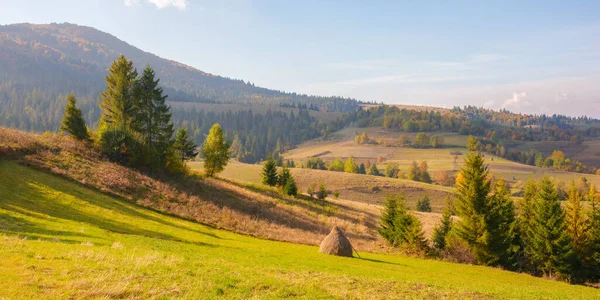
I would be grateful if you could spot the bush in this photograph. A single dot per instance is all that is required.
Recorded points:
(336, 194)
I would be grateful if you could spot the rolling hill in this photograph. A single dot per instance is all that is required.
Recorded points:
(40, 64)
(64, 238)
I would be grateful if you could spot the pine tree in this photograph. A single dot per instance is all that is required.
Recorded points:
(184, 146)
(118, 103)
(441, 230)
(290, 187)
(322, 192)
(549, 244)
(362, 169)
(72, 122)
(471, 203)
(152, 117)
(388, 217)
(424, 204)
(576, 220)
(215, 151)
(592, 255)
(350, 166)
(284, 176)
(269, 172)
(527, 215)
(501, 222)
(373, 170)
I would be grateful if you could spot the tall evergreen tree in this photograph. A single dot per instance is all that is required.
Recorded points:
(117, 100)
(471, 204)
(269, 172)
(72, 122)
(373, 170)
(399, 227)
(441, 230)
(501, 222)
(153, 117)
(526, 217)
(284, 176)
(593, 236)
(549, 244)
(184, 146)
(215, 151)
(362, 169)
(576, 220)
(290, 187)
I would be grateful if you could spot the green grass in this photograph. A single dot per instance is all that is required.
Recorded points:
(59, 239)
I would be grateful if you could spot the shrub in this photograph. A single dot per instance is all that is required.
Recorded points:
(322, 192)
(424, 204)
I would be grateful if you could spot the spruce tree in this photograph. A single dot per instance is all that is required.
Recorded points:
(471, 204)
(72, 122)
(549, 244)
(501, 222)
(117, 100)
(184, 146)
(152, 117)
(399, 227)
(373, 170)
(215, 150)
(526, 217)
(269, 172)
(424, 204)
(322, 192)
(441, 230)
(575, 218)
(592, 254)
(290, 187)
(388, 217)
(362, 169)
(283, 177)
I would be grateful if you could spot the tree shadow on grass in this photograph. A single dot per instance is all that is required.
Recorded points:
(46, 196)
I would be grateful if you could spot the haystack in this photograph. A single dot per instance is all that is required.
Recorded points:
(336, 243)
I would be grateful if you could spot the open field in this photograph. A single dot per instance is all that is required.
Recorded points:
(437, 159)
(60, 239)
(260, 109)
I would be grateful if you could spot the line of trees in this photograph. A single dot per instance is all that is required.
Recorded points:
(136, 127)
(545, 239)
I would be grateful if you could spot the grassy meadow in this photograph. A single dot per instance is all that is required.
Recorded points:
(60, 239)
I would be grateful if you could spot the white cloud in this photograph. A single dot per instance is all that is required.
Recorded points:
(160, 4)
(517, 102)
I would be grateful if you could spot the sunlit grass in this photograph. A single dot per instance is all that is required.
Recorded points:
(59, 239)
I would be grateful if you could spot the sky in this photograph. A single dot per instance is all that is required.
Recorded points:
(524, 56)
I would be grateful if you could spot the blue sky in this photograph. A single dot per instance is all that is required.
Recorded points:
(534, 57)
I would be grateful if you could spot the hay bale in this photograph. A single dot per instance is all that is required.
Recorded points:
(336, 243)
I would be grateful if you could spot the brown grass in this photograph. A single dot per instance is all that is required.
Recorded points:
(223, 204)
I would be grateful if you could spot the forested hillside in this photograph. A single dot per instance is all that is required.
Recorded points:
(41, 64)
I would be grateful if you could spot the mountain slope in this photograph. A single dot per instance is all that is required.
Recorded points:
(63, 240)
(39, 64)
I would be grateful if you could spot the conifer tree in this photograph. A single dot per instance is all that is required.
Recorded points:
(72, 122)
(441, 230)
(373, 170)
(215, 150)
(184, 146)
(362, 169)
(527, 215)
(269, 172)
(549, 244)
(284, 176)
(424, 204)
(576, 220)
(290, 187)
(152, 117)
(322, 192)
(350, 166)
(471, 202)
(388, 217)
(399, 227)
(117, 100)
(592, 255)
(501, 222)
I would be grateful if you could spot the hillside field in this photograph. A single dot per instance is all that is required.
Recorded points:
(63, 240)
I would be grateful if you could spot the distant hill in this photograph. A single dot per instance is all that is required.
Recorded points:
(39, 64)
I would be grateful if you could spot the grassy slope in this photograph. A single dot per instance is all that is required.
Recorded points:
(60, 239)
